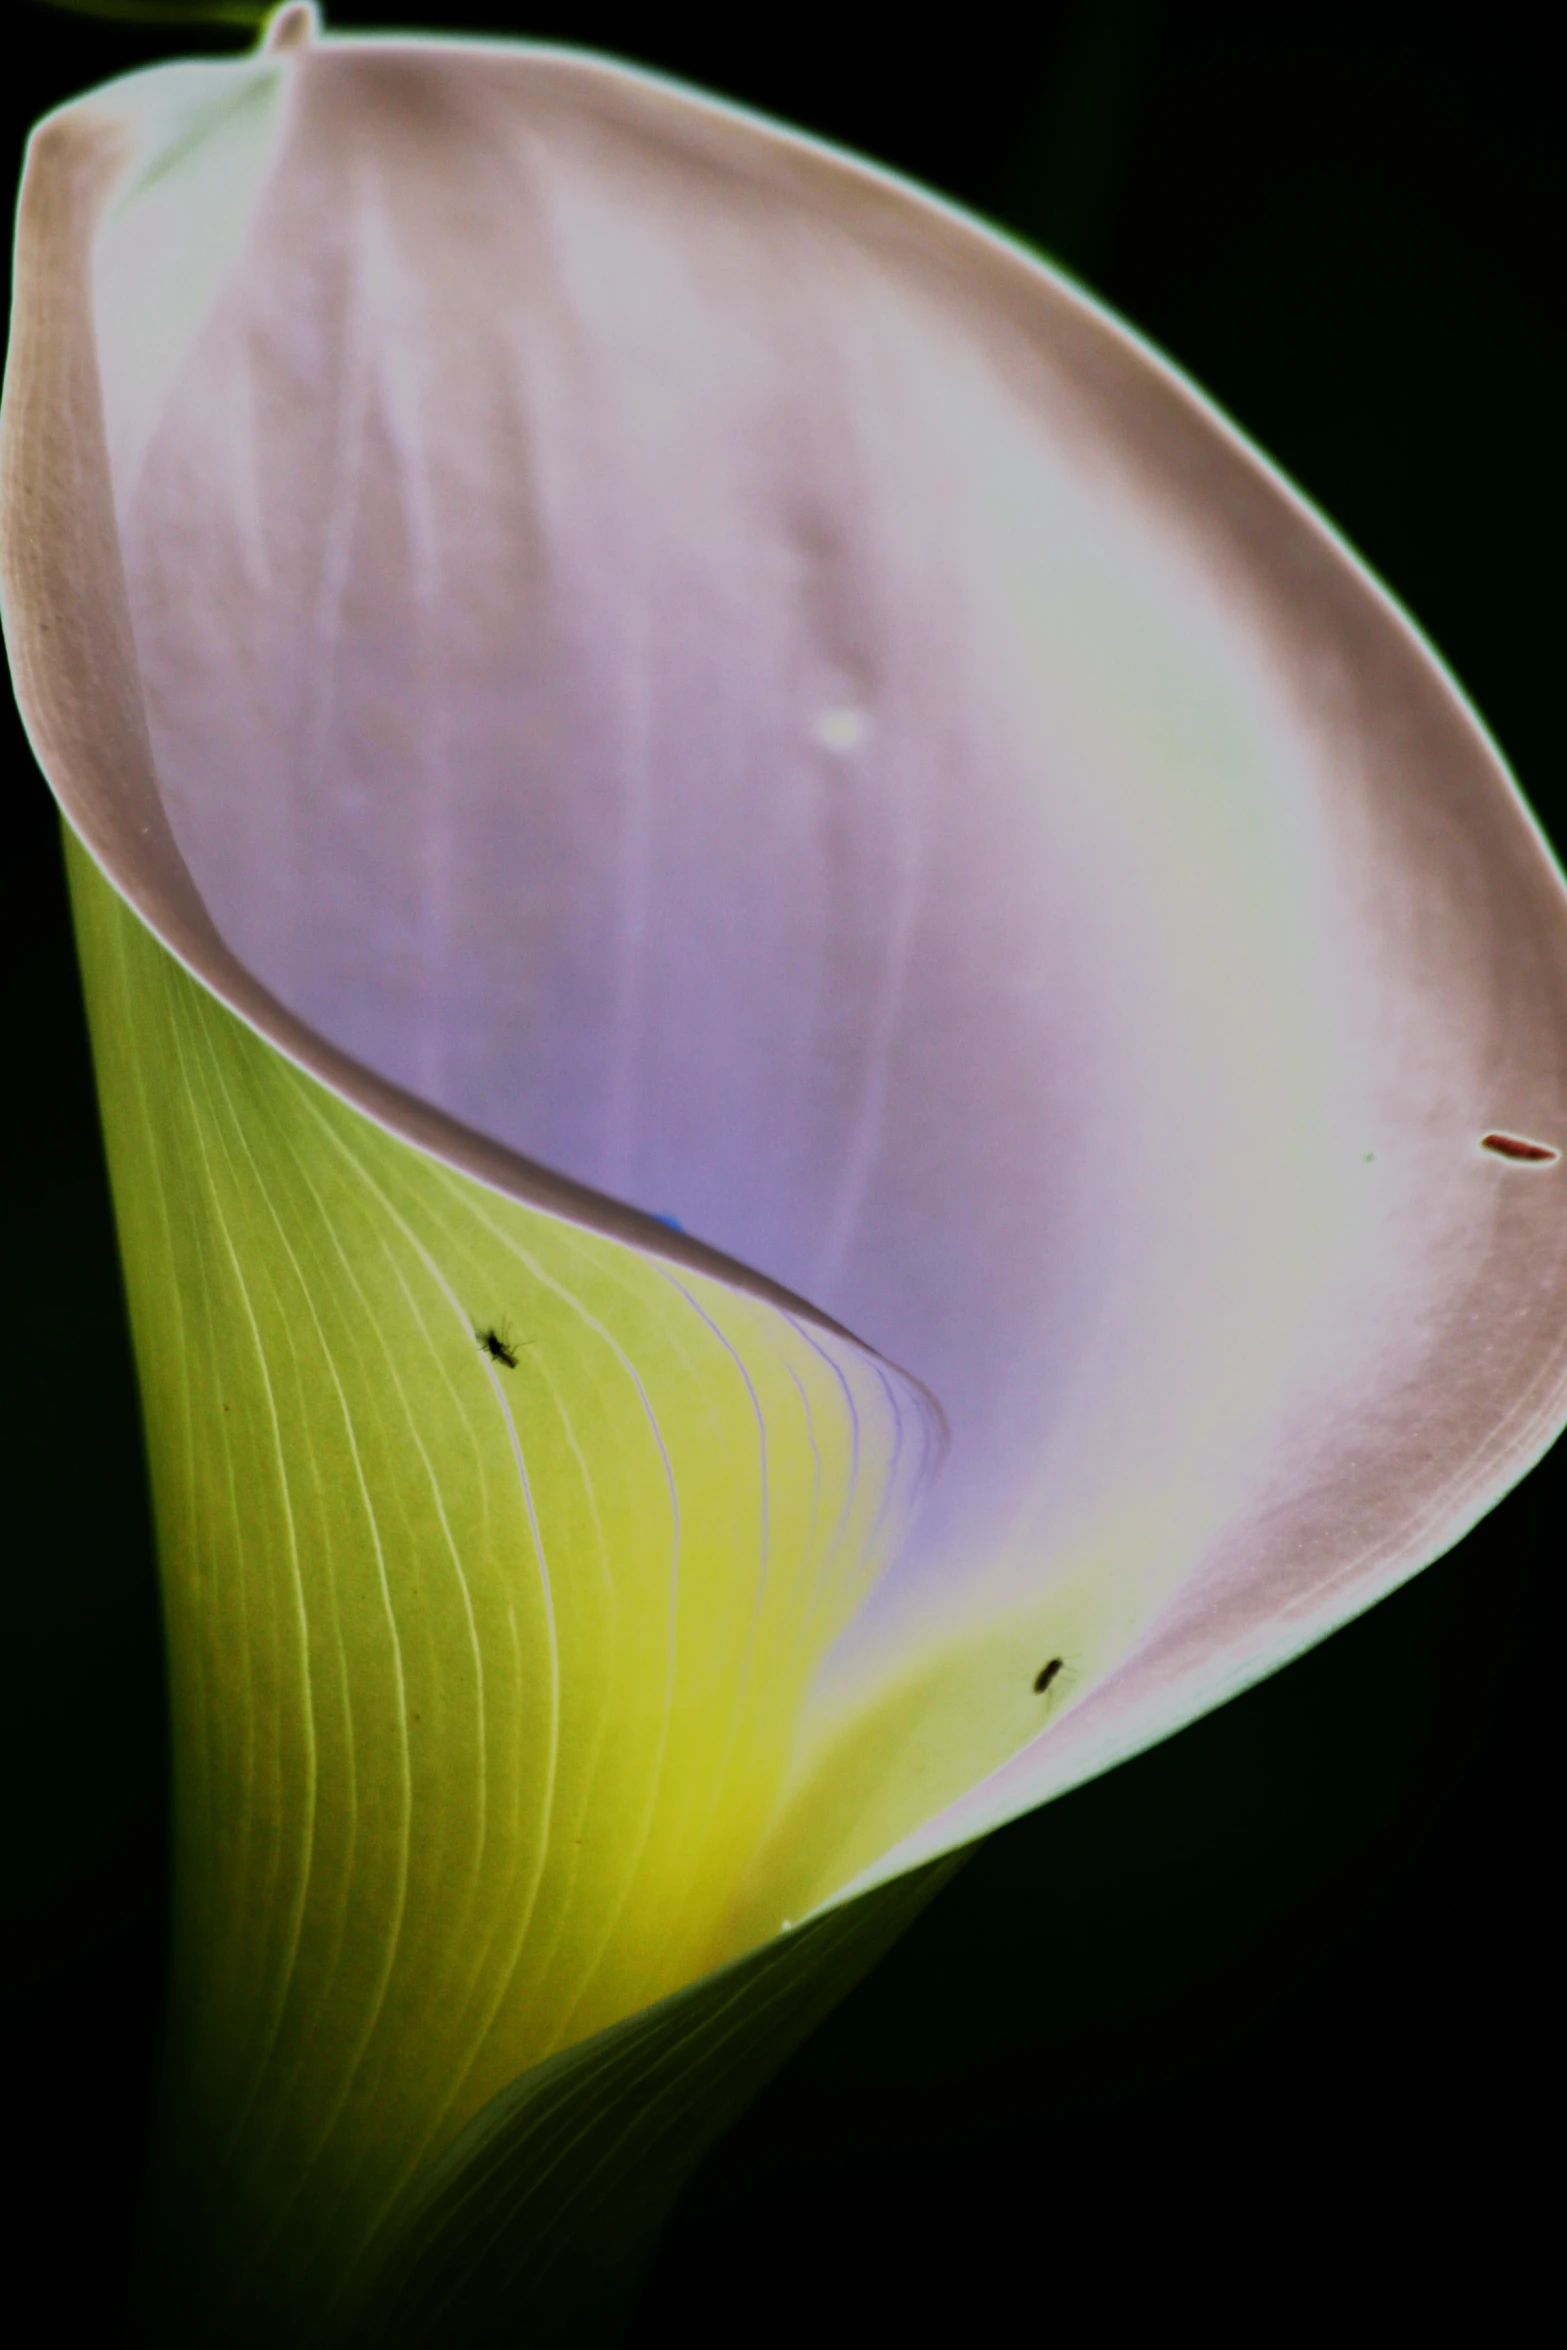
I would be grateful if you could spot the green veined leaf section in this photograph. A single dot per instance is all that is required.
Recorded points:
(535, 2223)
(483, 1677)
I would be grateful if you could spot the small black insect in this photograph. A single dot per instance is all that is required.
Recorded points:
(497, 1346)
(1047, 1673)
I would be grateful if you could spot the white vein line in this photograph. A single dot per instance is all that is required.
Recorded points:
(658, 2062)
(901, 1489)
(703, 2037)
(308, 1857)
(544, 1956)
(598, 2087)
(526, 1490)
(232, 1959)
(597, 2082)
(765, 1562)
(816, 1451)
(390, 1364)
(296, 1917)
(891, 1485)
(894, 1502)
(815, 1552)
(462, 2065)
(524, 1483)
(348, 2069)
(117, 919)
(830, 1553)
(233, 1952)
(567, 1297)
(210, 1058)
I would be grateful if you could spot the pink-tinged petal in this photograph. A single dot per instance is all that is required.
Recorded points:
(676, 670)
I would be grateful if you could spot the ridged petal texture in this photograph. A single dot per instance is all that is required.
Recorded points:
(484, 1673)
(835, 1079)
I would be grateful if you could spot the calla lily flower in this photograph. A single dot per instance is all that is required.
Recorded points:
(835, 1080)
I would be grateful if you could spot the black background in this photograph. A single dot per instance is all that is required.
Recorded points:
(1255, 2038)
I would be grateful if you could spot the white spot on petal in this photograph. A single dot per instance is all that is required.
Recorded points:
(841, 729)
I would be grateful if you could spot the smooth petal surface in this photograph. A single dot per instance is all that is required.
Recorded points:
(647, 670)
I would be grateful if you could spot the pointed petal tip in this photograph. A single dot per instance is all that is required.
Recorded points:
(295, 26)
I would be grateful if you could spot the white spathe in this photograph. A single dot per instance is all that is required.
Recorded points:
(710, 671)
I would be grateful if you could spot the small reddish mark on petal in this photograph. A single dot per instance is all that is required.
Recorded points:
(1518, 1146)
